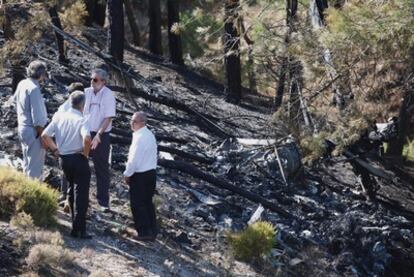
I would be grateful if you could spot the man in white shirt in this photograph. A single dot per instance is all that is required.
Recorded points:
(66, 106)
(141, 177)
(71, 131)
(32, 118)
(100, 107)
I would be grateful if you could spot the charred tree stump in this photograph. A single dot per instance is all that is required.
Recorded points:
(396, 145)
(231, 52)
(54, 16)
(116, 29)
(136, 35)
(154, 11)
(174, 39)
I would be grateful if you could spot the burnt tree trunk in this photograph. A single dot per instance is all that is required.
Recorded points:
(154, 12)
(129, 9)
(295, 85)
(231, 50)
(174, 39)
(17, 65)
(54, 16)
(96, 12)
(322, 6)
(251, 73)
(396, 145)
(116, 29)
(291, 10)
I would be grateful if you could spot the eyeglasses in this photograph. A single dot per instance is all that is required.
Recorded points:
(95, 80)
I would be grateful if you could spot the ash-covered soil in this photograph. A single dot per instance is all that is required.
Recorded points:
(326, 227)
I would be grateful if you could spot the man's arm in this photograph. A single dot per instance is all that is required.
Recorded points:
(86, 146)
(48, 141)
(38, 112)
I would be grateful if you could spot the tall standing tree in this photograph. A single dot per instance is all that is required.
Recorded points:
(174, 37)
(54, 16)
(396, 145)
(129, 9)
(154, 12)
(291, 10)
(116, 29)
(231, 42)
(17, 64)
(96, 12)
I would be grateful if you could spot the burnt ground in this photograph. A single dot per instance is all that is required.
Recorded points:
(326, 226)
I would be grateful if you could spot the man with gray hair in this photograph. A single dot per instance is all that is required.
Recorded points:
(100, 107)
(32, 118)
(141, 177)
(72, 135)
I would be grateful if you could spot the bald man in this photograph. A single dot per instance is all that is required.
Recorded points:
(140, 175)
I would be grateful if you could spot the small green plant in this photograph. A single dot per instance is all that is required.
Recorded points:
(254, 242)
(408, 151)
(313, 147)
(21, 194)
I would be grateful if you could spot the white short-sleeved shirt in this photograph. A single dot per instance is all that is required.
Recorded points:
(142, 152)
(99, 106)
(70, 129)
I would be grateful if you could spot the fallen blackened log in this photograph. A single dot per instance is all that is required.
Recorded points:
(204, 119)
(371, 169)
(193, 171)
(162, 148)
(128, 135)
(127, 71)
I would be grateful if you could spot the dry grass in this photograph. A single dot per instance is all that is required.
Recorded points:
(50, 256)
(22, 221)
(100, 273)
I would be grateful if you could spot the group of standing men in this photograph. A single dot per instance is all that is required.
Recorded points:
(81, 128)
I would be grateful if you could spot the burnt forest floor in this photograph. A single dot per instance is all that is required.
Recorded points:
(328, 228)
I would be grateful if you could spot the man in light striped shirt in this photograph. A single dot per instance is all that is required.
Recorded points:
(32, 118)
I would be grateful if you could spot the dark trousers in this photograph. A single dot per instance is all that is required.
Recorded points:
(78, 175)
(64, 185)
(142, 189)
(100, 158)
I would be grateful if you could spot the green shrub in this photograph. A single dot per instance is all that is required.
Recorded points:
(21, 194)
(254, 242)
(408, 151)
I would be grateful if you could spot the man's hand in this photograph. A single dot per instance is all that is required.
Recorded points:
(95, 142)
(39, 131)
(56, 153)
(127, 180)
